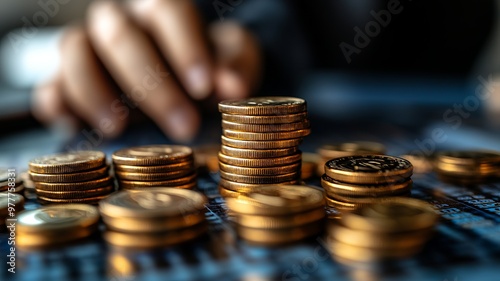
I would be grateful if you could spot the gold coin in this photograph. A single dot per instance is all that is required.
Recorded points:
(269, 119)
(469, 157)
(57, 219)
(363, 254)
(264, 106)
(259, 163)
(275, 144)
(76, 193)
(369, 169)
(347, 205)
(267, 171)
(74, 186)
(190, 185)
(187, 165)
(279, 236)
(10, 204)
(90, 200)
(153, 203)
(248, 187)
(249, 136)
(70, 162)
(258, 153)
(189, 179)
(385, 241)
(150, 225)
(151, 155)
(265, 128)
(69, 178)
(392, 214)
(260, 179)
(278, 222)
(12, 184)
(17, 189)
(152, 176)
(421, 164)
(332, 186)
(49, 240)
(277, 200)
(154, 240)
(351, 149)
(224, 192)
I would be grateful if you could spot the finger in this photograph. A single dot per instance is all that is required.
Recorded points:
(133, 61)
(238, 61)
(87, 91)
(48, 106)
(177, 28)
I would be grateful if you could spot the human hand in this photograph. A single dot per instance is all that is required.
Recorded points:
(158, 53)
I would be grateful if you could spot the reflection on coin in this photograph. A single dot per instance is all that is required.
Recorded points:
(258, 153)
(260, 162)
(350, 149)
(336, 187)
(152, 155)
(263, 128)
(269, 119)
(369, 169)
(69, 162)
(279, 236)
(263, 106)
(69, 178)
(250, 136)
(273, 144)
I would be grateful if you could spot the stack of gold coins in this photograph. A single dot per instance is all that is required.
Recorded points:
(10, 205)
(73, 177)
(11, 182)
(278, 214)
(155, 166)
(392, 228)
(354, 181)
(56, 224)
(154, 217)
(260, 142)
(327, 152)
(468, 167)
(310, 165)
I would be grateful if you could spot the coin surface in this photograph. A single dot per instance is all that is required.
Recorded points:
(277, 200)
(277, 222)
(152, 176)
(154, 202)
(57, 218)
(269, 119)
(258, 153)
(149, 155)
(392, 214)
(74, 186)
(248, 187)
(69, 162)
(260, 179)
(277, 144)
(279, 236)
(250, 136)
(266, 171)
(70, 178)
(364, 254)
(350, 149)
(152, 225)
(468, 157)
(263, 128)
(189, 179)
(90, 200)
(155, 169)
(264, 106)
(259, 162)
(369, 169)
(75, 194)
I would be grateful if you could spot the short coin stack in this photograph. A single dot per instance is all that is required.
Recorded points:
(327, 152)
(260, 142)
(278, 214)
(353, 181)
(468, 167)
(392, 228)
(154, 217)
(55, 224)
(10, 205)
(73, 177)
(155, 166)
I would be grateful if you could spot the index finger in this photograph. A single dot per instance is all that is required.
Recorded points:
(177, 29)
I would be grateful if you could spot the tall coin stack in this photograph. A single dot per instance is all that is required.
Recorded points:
(278, 214)
(353, 181)
(468, 167)
(260, 142)
(154, 217)
(155, 166)
(392, 228)
(73, 177)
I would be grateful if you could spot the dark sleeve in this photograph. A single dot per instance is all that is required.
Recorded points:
(273, 23)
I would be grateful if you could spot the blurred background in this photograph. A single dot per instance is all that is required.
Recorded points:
(416, 65)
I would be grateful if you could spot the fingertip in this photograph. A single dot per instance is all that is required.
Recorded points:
(181, 124)
(199, 81)
(230, 85)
